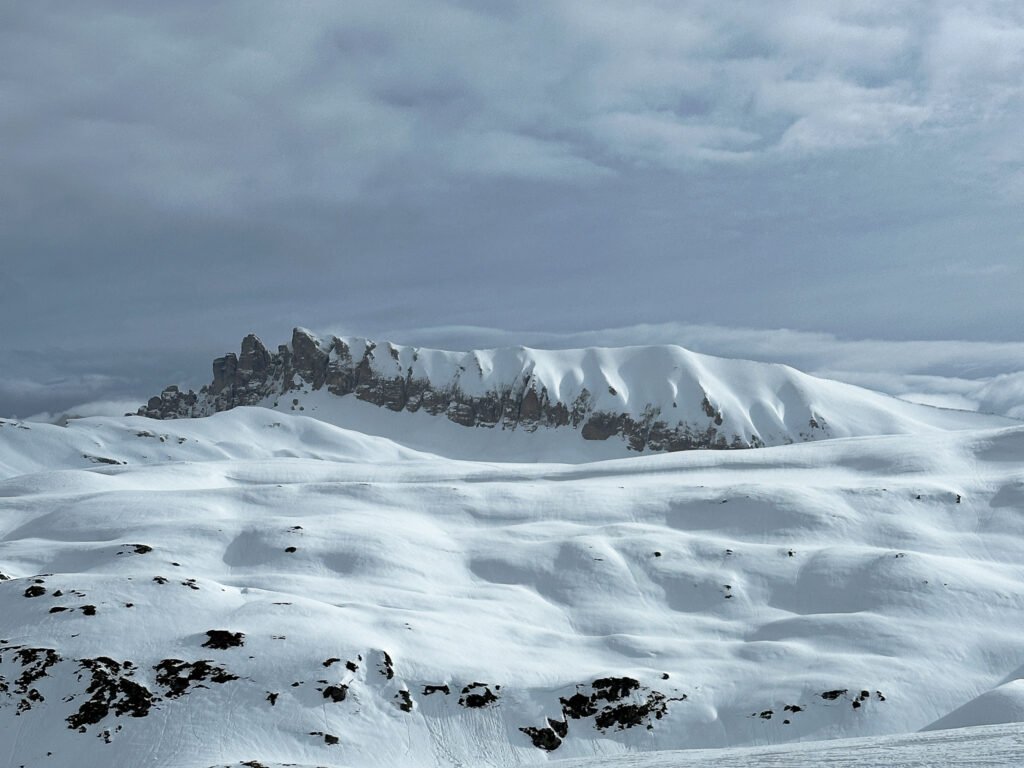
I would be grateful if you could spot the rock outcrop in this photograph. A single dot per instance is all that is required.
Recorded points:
(456, 386)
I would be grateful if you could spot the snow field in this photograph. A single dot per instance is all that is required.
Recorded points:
(769, 586)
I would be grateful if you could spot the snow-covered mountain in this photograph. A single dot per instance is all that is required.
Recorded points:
(263, 588)
(619, 401)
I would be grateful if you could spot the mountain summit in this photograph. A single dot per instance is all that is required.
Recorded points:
(643, 398)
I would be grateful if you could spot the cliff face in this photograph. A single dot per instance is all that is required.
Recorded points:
(453, 385)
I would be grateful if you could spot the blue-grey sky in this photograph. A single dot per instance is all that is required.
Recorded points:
(174, 175)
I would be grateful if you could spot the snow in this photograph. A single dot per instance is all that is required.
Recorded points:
(987, 747)
(885, 569)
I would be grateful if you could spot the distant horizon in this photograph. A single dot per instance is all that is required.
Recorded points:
(952, 374)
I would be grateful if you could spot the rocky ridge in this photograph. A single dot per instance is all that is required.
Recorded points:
(638, 398)
(387, 376)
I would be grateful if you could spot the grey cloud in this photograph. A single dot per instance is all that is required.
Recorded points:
(176, 175)
(258, 102)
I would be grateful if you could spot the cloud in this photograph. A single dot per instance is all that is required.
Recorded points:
(248, 103)
(84, 410)
(660, 139)
(973, 59)
(176, 175)
(1004, 394)
(831, 113)
(501, 153)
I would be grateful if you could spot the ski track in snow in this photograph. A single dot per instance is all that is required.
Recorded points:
(885, 570)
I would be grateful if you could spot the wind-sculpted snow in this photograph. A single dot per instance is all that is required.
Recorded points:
(630, 399)
(260, 588)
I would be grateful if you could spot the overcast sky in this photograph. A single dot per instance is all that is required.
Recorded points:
(175, 175)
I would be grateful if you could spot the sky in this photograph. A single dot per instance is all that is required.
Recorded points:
(834, 185)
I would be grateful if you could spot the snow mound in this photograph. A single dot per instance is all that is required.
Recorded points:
(1003, 704)
(243, 433)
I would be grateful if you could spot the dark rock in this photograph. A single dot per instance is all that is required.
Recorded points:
(177, 676)
(336, 693)
(329, 739)
(225, 370)
(222, 639)
(35, 591)
(543, 738)
(625, 716)
(255, 359)
(110, 689)
(578, 706)
(35, 663)
(605, 704)
(477, 695)
(308, 359)
(404, 701)
(387, 666)
(601, 426)
(833, 695)
(614, 688)
(432, 689)
(100, 459)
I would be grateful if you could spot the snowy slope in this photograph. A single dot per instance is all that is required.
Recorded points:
(846, 588)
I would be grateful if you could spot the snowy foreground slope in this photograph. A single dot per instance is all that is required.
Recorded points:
(257, 586)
